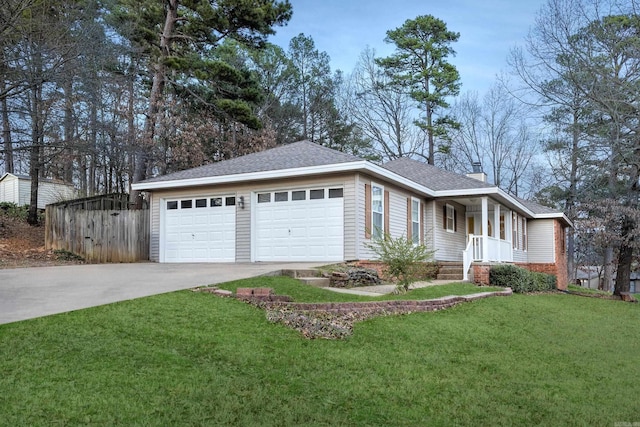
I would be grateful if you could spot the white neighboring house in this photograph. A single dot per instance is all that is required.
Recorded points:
(17, 189)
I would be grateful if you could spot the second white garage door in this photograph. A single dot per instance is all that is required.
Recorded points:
(300, 225)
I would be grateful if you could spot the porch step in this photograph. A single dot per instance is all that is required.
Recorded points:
(309, 277)
(450, 271)
(296, 274)
(318, 282)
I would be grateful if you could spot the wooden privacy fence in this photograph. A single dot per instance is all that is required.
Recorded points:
(99, 235)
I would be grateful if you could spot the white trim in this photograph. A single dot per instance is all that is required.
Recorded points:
(381, 187)
(453, 218)
(420, 219)
(361, 165)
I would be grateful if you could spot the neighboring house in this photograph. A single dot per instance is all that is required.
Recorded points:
(588, 276)
(17, 189)
(305, 202)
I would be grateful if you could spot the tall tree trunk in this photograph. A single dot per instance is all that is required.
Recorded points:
(6, 136)
(155, 98)
(35, 156)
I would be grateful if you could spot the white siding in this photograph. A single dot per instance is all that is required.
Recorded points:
(350, 212)
(9, 189)
(541, 241)
(429, 224)
(49, 192)
(449, 245)
(24, 192)
(18, 190)
(154, 223)
(397, 214)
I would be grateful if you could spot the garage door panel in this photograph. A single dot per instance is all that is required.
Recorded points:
(202, 234)
(299, 230)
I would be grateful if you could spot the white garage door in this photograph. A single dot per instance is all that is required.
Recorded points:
(200, 229)
(300, 225)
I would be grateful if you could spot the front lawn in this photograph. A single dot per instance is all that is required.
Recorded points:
(189, 358)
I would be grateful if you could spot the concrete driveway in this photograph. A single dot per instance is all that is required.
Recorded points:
(26, 293)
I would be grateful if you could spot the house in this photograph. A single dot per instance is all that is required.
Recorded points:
(305, 202)
(17, 189)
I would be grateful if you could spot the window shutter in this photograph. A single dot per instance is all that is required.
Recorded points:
(386, 212)
(455, 220)
(421, 223)
(444, 216)
(367, 211)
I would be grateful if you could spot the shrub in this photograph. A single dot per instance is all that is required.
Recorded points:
(520, 280)
(402, 258)
(14, 211)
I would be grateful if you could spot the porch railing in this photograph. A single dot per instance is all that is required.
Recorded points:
(497, 251)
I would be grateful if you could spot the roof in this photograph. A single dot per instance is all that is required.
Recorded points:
(433, 177)
(28, 178)
(305, 158)
(296, 155)
(536, 208)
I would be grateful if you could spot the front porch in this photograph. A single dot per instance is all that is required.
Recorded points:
(491, 230)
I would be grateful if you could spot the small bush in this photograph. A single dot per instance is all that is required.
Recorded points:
(14, 211)
(64, 255)
(402, 258)
(520, 280)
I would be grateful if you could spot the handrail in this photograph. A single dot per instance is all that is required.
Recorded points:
(466, 259)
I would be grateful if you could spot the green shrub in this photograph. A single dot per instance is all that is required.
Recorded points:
(14, 211)
(403, 259)
(520, 280)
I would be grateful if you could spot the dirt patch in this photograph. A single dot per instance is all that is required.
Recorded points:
(22, 245)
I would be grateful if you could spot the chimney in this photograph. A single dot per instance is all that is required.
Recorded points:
(477, 172)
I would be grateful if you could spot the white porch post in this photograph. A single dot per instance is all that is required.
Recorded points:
(496, 221)
(485, 229)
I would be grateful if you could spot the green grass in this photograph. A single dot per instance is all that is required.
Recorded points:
(291, 287)
(580, 289)
(193, 359)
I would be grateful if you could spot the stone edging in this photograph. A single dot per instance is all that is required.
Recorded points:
(335, 320)
(392, 306)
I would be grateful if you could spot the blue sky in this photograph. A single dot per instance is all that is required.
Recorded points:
(344, 28)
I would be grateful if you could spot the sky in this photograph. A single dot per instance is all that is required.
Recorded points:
(344, 28)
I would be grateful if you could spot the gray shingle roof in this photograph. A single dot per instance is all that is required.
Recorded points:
(296, 155)
(536, 208)
(432, 177)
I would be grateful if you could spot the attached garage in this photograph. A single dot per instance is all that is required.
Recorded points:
(299, 225)
(201, 229)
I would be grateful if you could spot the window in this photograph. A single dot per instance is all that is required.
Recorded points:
(514, 230)
(282, 196)
(172, 205)
(186, 204)
(298, 195)
(264, 197)
(316, 194)
(503, 232)
(524, 234)
(450, 218)
(230, 201)
(335, 193)
(216, 201)
(377, 211)
(201, 203)
(415, 221)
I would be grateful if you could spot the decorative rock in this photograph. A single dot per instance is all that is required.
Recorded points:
(354, 277)
(222, 293)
